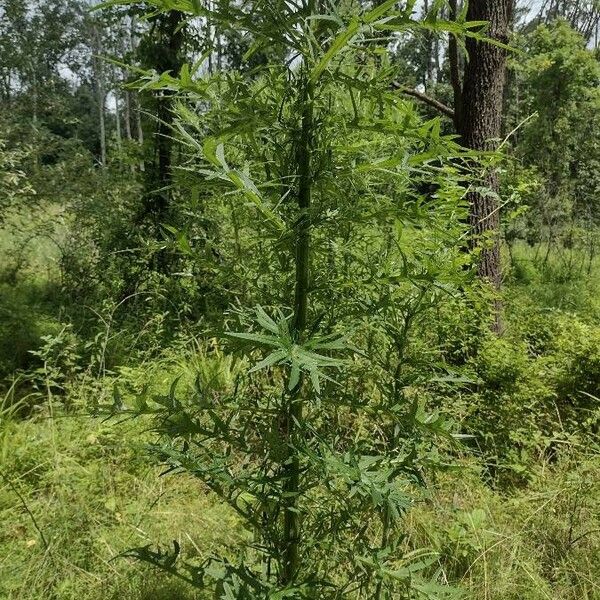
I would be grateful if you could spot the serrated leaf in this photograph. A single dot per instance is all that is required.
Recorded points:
(209, 148)
(294, 376)
(314, 378)
(270, 360)
(266, 321)
(220, 155)
(337, 46)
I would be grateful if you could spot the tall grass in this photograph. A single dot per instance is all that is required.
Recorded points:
(75, 493)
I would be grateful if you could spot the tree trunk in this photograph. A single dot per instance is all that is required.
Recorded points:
(101, 95)
(139, 127)
(429, 74)
(127, 115)
(162, 53)
(455, 78)
(117, 110)
(134, 99)
(478, 120)
(101, 109)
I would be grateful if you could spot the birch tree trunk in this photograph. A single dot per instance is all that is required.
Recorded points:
(101, 93)
(117, 110)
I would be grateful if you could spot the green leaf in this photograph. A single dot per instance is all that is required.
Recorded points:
(184, 75)
(337, 46)
(270, 360)
(265, 321)
(254, 337)
(379, 11)
(294, 376)
(220, 156)
(314, 378)
(210, 151)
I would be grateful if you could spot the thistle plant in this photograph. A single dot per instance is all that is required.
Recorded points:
(335, 202)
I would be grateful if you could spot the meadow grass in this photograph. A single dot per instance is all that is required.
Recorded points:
(76, 493)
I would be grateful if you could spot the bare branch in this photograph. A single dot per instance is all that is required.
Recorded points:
(439, 106)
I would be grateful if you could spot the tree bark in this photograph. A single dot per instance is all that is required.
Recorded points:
(139, 128)
(453, 59)
(127, 115)
(134, 102)
(478, 120)
(163, 55)
(477, 116)
(439, 106)
(117, 110)
(101, 93)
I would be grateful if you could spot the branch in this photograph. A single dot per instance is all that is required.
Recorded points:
(439, 106)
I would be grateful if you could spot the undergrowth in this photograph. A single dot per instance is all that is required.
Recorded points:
(78, 493)
(515, 518)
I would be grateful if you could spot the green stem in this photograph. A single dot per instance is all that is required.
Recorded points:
(294, 405)
(385, 540)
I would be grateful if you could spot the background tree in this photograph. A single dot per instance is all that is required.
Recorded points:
(161, 49)
(582, 15)
(478, 101)
(478, 91)
(559, 84)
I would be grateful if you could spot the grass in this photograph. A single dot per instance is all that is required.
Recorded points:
(541, 542)
(75, 493)
(565, 279)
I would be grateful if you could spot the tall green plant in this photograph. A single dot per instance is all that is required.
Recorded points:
(339, 204)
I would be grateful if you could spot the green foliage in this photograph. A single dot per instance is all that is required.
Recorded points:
(533, 544)
(92, 495)
(23, 322)
(531, 392)
(322, 193)
(558, 84)
(13, 182)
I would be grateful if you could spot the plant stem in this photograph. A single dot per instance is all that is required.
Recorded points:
(14, 488)
(294, 405)
(385, 538)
